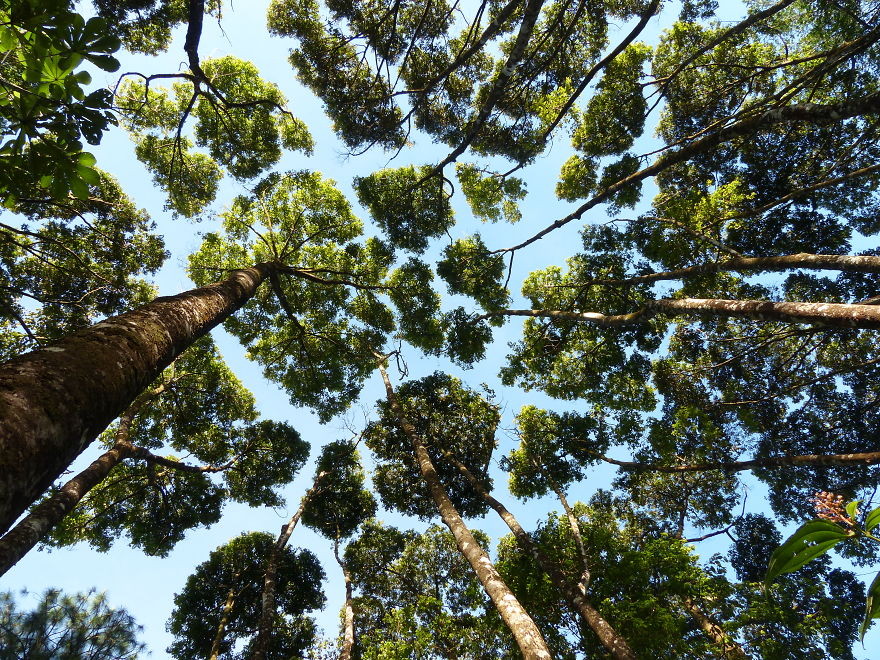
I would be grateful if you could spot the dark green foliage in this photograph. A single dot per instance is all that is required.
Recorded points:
(64, 266)
(409, 205)
(448, 418)
(469, 269)
(315, 331)
(62, 626)
(154, 506)
(236, 569)
(241, 122)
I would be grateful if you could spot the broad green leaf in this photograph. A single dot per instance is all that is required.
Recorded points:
(872, 519)
(811, 540)
(88, 175)
(78, 187)
(872, 606)
(105, 62)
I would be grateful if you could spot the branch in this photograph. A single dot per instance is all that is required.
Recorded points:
(806, 112)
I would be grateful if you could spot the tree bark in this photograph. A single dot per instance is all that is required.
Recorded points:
(730, 650)
(842, 262)
(224, 620)
(836, 315)
(348, 609)
(267, 612)
(812, 460)
(528, 638)
(617, 646)
(18, 541)
(54, 401)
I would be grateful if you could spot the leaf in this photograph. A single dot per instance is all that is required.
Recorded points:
(852, 509)
(872, 606)
(86, 159)
(78, 187)
(811, 540)
(88, 175)
(105, 62)
(872, 519)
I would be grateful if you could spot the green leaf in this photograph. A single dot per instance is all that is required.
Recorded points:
(8, 40)
(811, 540)
(872, 519)
(86, 159)
(88, 175)
(78, 187)
(105, 62)
(851, 509)
(872, 606)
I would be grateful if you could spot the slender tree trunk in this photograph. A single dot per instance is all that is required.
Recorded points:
(812, 460)
(573, 523)
(224, 621)
(54, 401)
(617, 646)
(528, 638)
(18, 541)
(348, 609)
(836, 315)
(730, 650)
(267, 612)
(841, 262)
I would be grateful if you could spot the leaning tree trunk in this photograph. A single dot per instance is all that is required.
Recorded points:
(224, 621)
(54, 401)
(528, 638)
(267, 611)
(34, 527)
(729, 648)
(576, 596)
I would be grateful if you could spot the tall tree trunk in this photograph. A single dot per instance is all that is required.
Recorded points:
(267, 612)
(730, 650)
(812, 460)
(576, 596)
(803, 260)
(836, 315)
(348, 609)
(224, 621)
(18, 541)
(528, 638)
(54, 401)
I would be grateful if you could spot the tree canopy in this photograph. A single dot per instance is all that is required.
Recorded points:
(614, 263)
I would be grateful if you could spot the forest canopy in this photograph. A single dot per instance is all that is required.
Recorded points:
(580, 291)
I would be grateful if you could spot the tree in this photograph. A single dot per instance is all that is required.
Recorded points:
(417, 597)
(62, 626)
(45, 112)
(336, 511)
(220, 603)
(426, 400)
(726, 322)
